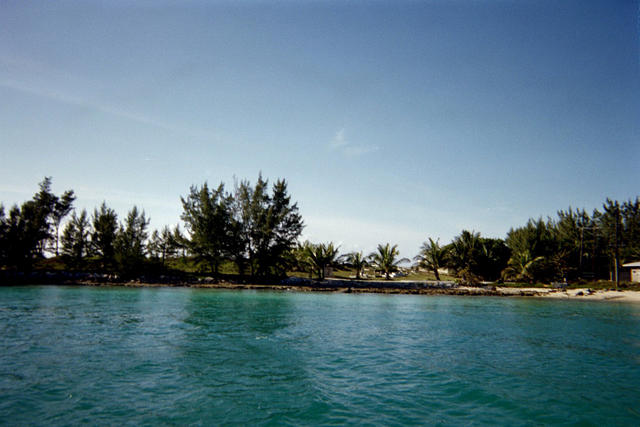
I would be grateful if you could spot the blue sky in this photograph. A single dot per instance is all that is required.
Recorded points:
(391, 121)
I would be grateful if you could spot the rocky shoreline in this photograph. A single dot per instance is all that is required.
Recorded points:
(308, 285)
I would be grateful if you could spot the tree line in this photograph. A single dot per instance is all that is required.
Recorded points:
(256, 228)
(574, 246)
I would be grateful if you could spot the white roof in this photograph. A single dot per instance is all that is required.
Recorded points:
(632, 264)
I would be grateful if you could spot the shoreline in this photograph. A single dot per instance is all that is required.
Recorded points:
(425, 288)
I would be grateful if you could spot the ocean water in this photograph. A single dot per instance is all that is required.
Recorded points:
(111, 356)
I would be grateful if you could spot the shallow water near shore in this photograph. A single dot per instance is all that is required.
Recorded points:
(73, 355)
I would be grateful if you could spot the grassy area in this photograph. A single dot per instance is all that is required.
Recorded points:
(228, 271)
(417, 276)
(604, 284)
(427, 275)
(189, 265)
(580, 284)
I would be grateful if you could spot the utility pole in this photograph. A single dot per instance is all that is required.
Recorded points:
(591, 253)
(617, 244)
(581, 240)
(613, 210)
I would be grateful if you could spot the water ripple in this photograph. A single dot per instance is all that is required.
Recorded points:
(198, 357)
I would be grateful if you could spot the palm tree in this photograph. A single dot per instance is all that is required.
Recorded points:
(385, 259)
(432, 256)
(357, 261)
(464, 256)
(319, 256)
(521, 265)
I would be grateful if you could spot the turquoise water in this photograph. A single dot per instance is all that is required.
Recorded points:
(192, 356)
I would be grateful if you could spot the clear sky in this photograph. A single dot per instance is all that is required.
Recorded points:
(392, 121)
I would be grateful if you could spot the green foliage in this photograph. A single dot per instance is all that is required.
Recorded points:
(56, 209)
(163, 244)
(579, 245)
(319, 256)
(538, 238)
(268, 227)
(493, 258)
(356, 261)
(130, 243)
(252, 227)
(521, 267)
(75, 237)
(255, 229)
(4, 227)
(386, 259)
(207, 215)
(61, 208)
(464, 255)
(28, 228)
(105, 229)
(475, 258)
(432, 256)
(574, 234)
(631, 230)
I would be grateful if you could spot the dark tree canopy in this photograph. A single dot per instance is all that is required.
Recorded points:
(75, 237)
(252, 227)
(28, 228)
(207, 215)
(257, 227)
(130, 242)
(105, 229)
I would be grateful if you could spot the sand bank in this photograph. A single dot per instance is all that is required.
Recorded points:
(595, 295)
(384, 287)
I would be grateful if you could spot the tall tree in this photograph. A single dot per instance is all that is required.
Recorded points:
(265, 227)
(207, 215)
(162, 244)
(75, 237)
(493, 258)
(61, 209)
(321, 256)
(179, 240)
(611, 227)
(4, 236)
(18, 242)
(28, 228)
(464, 255)
(42, 208)
(521, 267)
(386, 259)
(255, 207)
(241, 226)
(283, 227)
(130, 243)
(55, 208)
(538, 237)
(105, 229)
(631, 230)
(573, 232)
(432, 256)
(357, 261)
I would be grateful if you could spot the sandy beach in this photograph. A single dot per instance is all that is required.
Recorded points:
(595, 295)
(569, 294)
(348, 286)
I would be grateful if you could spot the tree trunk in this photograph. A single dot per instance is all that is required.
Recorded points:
(57, 238)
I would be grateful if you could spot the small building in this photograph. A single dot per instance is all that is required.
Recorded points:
(630, 272)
